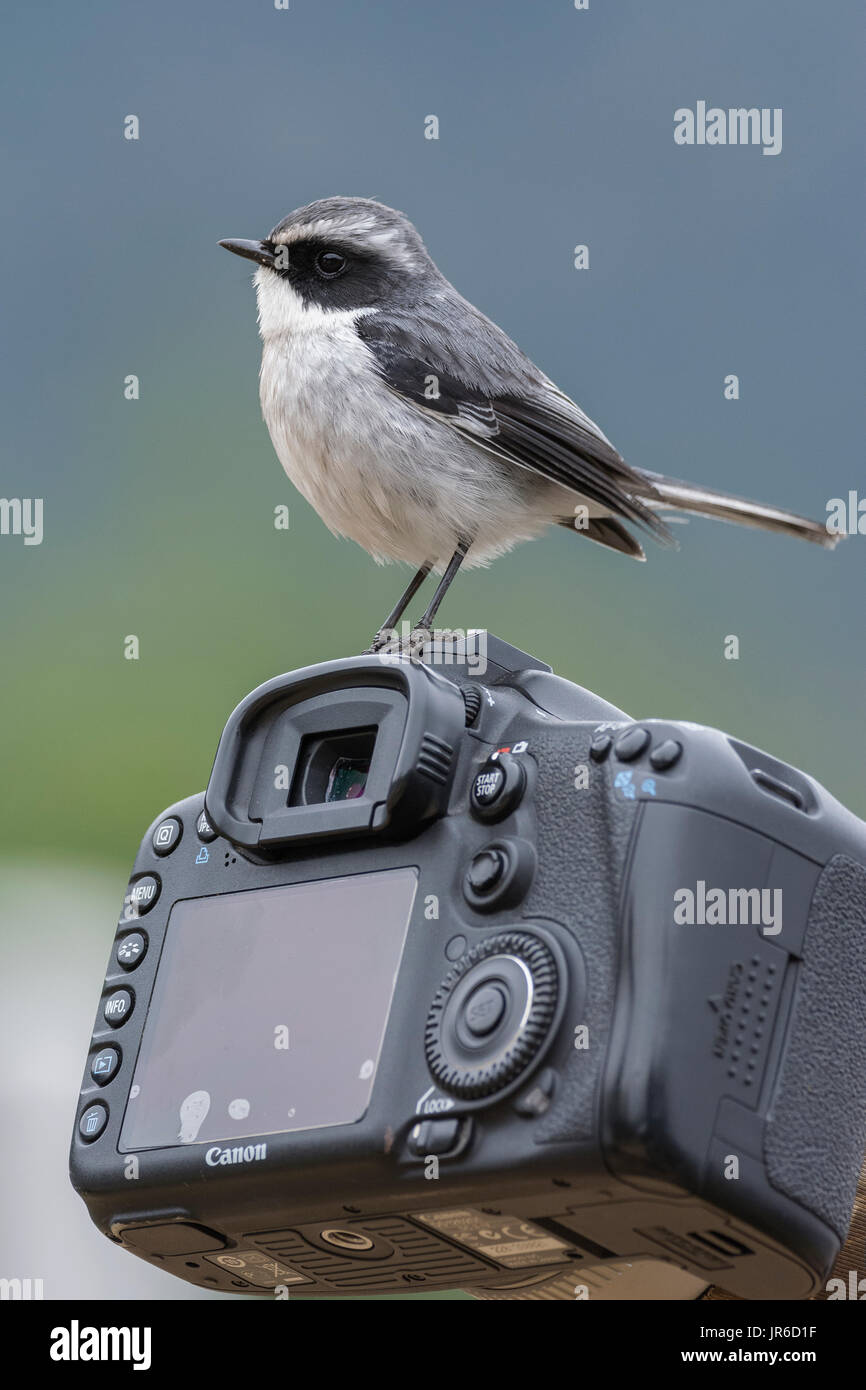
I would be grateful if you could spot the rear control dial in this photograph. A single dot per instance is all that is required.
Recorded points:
(491, 1014)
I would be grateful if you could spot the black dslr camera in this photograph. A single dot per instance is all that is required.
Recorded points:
(457, 977)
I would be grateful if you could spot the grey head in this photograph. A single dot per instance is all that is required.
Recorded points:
(344, 253)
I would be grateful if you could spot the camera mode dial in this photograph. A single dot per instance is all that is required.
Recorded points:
(491, 1014)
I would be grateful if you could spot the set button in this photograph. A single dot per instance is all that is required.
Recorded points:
(484, 1009)
(104, 1065)
(93, 1122)
(117, 1007)
(129, 951)
(166, 836)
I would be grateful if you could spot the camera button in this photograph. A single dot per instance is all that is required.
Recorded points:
(117, 1007)
(141, 896)
(104, 1064)
(347, 1239)
(166, 836)
(664, 755)
(438, 1136)
(473, 1046)
(486, 870)
(204, 829)
(93, 1122)
(536, 1099)
(129, 951)
(632, 744)
(488, 784)
(498, 788)
(600, 747)
(499, 875)
(172, 1238)
(484, 1009)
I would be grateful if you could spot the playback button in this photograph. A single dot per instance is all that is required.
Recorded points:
(104, 1065)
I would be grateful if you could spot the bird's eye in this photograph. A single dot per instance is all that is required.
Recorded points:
(330, 263)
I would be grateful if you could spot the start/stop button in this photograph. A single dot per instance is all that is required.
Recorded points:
(497, 788)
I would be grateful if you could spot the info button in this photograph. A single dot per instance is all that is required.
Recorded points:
(117, 1007)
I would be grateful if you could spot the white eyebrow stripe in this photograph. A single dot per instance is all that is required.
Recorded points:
(360, 231)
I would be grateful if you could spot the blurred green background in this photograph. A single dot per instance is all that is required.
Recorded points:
(556, 128)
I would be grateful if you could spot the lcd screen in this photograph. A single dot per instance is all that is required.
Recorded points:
(269, 1010)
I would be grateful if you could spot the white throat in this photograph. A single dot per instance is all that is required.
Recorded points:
(283, 313)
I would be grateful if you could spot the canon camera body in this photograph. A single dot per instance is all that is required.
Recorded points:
(458, 977)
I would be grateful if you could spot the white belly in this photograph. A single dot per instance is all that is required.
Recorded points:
(402, 484)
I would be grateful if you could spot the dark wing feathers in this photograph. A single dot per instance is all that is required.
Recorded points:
(561, 448)
(544, 432)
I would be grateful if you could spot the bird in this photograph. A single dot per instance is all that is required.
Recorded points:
(416, 427)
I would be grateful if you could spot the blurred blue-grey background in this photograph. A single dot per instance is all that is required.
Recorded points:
(556, 129)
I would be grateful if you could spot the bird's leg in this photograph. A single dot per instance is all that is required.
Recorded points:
(422, 628)
(399, 608)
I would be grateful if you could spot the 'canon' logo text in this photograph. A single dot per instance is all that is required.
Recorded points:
(216, 1156)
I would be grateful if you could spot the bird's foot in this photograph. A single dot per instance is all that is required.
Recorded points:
(417, 640)
(382, 639)
(386, 640)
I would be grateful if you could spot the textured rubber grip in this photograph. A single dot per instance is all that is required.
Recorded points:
(815, 1135)
(583, 838)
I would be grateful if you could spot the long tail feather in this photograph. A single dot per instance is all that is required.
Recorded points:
(705, 501)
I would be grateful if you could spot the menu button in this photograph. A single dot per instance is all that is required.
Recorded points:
(141, 896)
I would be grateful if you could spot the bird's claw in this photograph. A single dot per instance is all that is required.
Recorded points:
(411, 646)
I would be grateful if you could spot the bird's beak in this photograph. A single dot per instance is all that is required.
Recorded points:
(260, 251)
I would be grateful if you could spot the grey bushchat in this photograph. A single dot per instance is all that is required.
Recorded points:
(415, 426)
